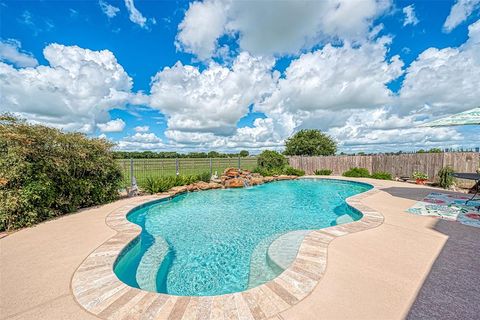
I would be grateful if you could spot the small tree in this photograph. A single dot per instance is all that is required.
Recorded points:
(310, 142)
(244, 153)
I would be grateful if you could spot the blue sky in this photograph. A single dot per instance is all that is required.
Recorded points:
(212, 75)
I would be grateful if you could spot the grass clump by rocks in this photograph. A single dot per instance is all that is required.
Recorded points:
(162, 184)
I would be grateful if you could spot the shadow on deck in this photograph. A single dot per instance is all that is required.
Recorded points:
(452, 288)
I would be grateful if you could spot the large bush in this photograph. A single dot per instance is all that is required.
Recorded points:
(310, 142)
(45, 173)
(271, 163)
(271, 160)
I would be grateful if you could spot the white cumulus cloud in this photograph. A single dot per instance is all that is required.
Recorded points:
(116, 125)
(74, 92)
(197, 36)
(320, 88)
(275, 27)
(11, 52)
(378, 129)
(444, 81)
(459, 12)
(142, 141)
(212, 100)
(142, 129)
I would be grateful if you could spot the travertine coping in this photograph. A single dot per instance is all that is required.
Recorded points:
(97, 289)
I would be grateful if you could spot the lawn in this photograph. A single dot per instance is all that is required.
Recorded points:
(144, 168)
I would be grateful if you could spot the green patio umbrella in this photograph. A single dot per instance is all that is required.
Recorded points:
(469, 117)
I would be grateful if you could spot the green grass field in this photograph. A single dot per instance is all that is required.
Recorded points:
(144, 168)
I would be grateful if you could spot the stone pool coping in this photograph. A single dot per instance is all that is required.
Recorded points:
(98, 290)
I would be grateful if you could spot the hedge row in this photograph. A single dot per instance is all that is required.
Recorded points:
(45, 172)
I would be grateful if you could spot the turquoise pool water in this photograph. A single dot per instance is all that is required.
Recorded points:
(215, 242)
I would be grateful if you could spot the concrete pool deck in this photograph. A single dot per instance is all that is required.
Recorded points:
(390, 272)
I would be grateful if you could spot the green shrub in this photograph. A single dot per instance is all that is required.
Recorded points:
(420, 175)
(271, 163)
(445, 178)
(293, 171)
(45, 172)
(357, 173)
(381, 175)
(279, 171)
(152, 185)
(184, 180)
(323, 172)
(268, 172)
(271, 160)
(205, 176)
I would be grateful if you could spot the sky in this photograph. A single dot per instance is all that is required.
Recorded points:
(233, 75)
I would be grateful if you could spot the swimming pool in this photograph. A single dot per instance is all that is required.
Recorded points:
(215, 242)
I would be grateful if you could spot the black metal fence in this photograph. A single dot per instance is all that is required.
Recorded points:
(142, 169)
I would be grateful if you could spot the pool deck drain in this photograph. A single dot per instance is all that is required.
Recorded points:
(97, 289)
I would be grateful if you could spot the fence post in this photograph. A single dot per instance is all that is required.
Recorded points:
(177, 167)
(211, 167)
(238, 162)
(131, 172)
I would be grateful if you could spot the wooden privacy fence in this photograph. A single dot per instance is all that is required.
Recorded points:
(397, 165)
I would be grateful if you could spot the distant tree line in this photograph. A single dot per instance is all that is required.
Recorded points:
(173, 154)
(306, 142)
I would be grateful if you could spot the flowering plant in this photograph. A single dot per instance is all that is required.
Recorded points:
(420, 175)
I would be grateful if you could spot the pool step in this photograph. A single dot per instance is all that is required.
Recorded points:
(344, 219)
(283, 250)
(150, 265)
(261, 270)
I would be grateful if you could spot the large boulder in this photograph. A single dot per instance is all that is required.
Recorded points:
(235, 183)
(231, 172)
(213, 185)
(201, 185)
(268, 179)
(177, 190)
(256, 181)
